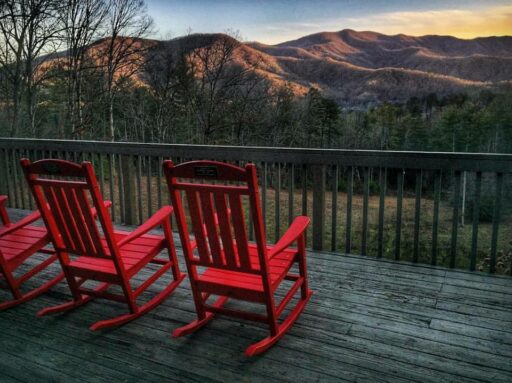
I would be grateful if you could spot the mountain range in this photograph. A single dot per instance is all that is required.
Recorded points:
(365, 68)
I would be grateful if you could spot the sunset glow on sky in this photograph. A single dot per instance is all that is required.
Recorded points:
(276, 21)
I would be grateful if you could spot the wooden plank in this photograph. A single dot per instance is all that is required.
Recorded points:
(129, 187)
(417, 215)
(139, 190)
(304, 209)
(399, 202)
(348, 224)
(455, 218)
(111, 167)
(277, 203)
(366, 192)
(291, 189)
(364, 158)
(149, 186)
(435, 223)
(101, 173)
(334, 208)
(383, 176)
(496, 217)
(476, 219)
(264, 188)
(318, 206)
(159, 181)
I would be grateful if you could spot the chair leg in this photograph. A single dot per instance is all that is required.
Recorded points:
(33, 293)
(198, 323)
(122, 319)
(71, 304)
(265, 344)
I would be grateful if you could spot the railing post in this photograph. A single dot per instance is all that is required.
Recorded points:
(129, 178)
(318, 206)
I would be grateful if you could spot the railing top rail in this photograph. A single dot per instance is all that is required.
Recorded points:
(501, 163)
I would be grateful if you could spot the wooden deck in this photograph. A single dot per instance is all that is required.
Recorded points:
(369, 321)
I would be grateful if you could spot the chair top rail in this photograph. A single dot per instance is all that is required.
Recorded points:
(478, 162)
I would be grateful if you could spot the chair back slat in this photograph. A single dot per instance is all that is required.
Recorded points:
(60, 217)
(242, 244)
(198, 227)
(223, 215)
(82, 234)
(211, 228)
(67, 194)
(216, 214)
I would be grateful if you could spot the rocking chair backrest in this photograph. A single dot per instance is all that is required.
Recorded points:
(217, 215)
(66, 193)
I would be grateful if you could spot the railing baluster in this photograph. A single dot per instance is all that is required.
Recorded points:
(291, 182)
(102, 173)
(31, 156)
(334, 208)
(277, 203)
(350, 191)
(4, 186)
(476, 220)
(17, 198)
(496, 216)
(304, 210)
(120, 180)
(399, 202)
(139, 189)
(417, 215)
(264, 186)
(382, 205)
(435, 221)
(129, 195)
(8, 178)
(159, 181)
(318, 206)
(111, 166)
(149, 182)
(366, 192)
(455, 219)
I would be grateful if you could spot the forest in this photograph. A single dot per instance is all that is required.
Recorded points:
(67, 70)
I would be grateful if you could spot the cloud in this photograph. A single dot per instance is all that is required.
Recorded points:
(491, 21)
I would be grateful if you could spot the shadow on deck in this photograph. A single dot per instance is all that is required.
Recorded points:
(369, 320)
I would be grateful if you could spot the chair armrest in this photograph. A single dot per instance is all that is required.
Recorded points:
(155, 220)
(3, 211)
(21, 223)
(296, 229)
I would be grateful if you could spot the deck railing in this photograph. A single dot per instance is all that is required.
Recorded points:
(438, 208)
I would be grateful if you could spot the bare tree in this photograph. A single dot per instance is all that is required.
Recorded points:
(28, 31)
(122, 56)
(218, 78)
(82, 22)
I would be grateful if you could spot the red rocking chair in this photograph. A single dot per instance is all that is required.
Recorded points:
(231, 266)
(69, 205)
(18, 242)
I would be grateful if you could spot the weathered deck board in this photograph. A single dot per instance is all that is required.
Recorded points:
(369, 320)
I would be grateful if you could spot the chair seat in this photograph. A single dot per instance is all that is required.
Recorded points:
(135, 255)
(22, 243)
(278, 268)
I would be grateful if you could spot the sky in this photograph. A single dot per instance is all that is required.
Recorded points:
(275, 21)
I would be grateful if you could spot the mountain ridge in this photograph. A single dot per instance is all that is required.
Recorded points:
(365, 68)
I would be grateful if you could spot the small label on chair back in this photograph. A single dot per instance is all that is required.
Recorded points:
(206, 171)
(51, 168)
